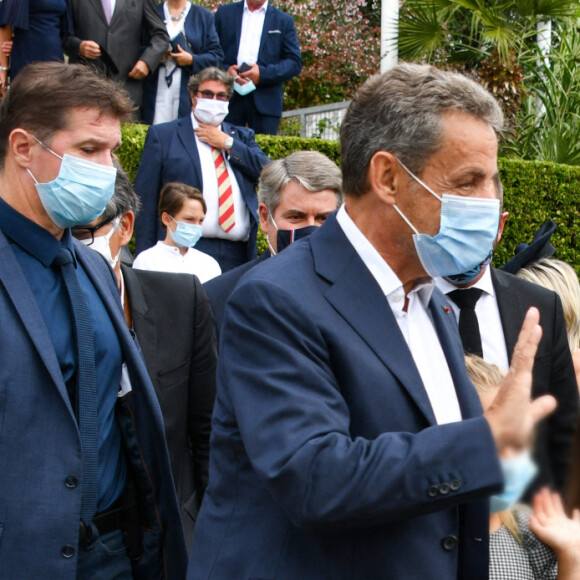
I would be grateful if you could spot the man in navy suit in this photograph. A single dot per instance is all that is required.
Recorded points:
(187, 150)
(296, 196)
(85, 481)
(347, 439)
(261, 51)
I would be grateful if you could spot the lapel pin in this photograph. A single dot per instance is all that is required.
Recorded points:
(447, 309)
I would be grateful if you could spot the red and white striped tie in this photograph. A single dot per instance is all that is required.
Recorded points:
(226, 196)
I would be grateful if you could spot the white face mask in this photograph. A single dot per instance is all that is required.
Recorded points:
(102, 244)
(211, 111)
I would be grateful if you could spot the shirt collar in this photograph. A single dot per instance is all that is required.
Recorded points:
(484, 283)
(31, 237)
(171, 249)
(378, 267)
(261, 9)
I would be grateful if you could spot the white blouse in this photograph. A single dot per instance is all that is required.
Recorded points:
(165, 258)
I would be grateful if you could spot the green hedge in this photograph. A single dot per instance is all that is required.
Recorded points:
(533, 191)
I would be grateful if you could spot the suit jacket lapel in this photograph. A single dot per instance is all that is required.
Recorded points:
(357, 297)
(21, 295)
(98, 5)
(187, 137)
(448, 334)
(119, 5)
(137, 300)
(239, 13)
(508, 304)
(269, 17)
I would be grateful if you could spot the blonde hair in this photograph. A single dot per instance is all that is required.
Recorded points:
(486, 378)
(562, 279)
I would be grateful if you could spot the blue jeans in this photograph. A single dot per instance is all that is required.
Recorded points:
(105, 560)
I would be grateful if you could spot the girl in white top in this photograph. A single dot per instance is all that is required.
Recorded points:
(181, 210)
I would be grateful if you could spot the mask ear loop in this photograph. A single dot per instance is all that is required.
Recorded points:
(418, 180)
(272, 250)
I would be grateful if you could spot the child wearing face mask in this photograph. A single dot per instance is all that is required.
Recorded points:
(181, 211)
(538, 544)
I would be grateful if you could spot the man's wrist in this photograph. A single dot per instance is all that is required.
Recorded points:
(229, 143)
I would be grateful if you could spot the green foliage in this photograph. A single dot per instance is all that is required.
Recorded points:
(550, 132)
(533, 191)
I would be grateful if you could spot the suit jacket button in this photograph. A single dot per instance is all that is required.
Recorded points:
(449, 543)
(455, 484)
(433, 490)
(71, 481)
(68, 551)
(444, 488)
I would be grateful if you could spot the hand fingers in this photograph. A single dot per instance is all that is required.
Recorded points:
(541, 407)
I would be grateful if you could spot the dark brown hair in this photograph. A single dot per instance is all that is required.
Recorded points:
(43, 94)
(174, 194)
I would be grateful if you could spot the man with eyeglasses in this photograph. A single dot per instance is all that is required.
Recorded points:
(221, 160)
(171, 316)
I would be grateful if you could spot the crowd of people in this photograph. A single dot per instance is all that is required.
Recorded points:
(153, 48)
(368, 398)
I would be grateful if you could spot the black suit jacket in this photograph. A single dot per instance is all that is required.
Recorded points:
(553, 370)
(172, 319)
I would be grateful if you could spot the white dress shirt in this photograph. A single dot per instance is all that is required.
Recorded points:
(415, 324)
(251, 34)
(211, 227)
(487, 312)
(165, 258)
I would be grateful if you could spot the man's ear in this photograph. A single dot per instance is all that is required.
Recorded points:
(265, 222)
(21, 144)
(384, 176)
(502, 219)
(125, 228)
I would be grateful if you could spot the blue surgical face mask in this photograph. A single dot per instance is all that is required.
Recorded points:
(466, 235)
(186, 235)
(244, 89)
(79, 193)
(102, 244)
(518, 473)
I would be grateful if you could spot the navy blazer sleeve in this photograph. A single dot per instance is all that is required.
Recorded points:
(148, 185)
(246, 155)
(296, 427)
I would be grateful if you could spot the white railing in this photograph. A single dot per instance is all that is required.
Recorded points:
(322, 121)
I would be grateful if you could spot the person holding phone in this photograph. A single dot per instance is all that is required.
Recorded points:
(194, 45)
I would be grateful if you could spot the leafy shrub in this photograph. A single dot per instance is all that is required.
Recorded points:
(533, 191)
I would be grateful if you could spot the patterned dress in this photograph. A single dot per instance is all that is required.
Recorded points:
(512, 560)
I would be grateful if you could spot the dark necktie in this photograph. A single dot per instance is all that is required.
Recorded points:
(86, 385)
(468, 324)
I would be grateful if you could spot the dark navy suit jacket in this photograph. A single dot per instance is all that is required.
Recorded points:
(326, 459)
(279, 57)
(170, 154)
(40, 444)
(205, 44)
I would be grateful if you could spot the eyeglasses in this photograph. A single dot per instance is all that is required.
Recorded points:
(211, 95)
(88, 232)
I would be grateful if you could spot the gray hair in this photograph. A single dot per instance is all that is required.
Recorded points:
(401, 111)
(124, 199)
(211, 73)
(311, 169)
